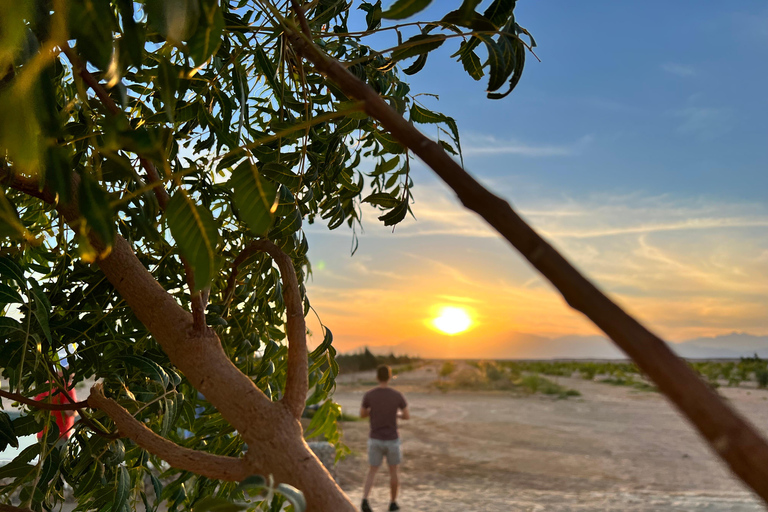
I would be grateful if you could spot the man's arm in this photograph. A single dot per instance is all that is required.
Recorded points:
(365, 412)
(404, 414)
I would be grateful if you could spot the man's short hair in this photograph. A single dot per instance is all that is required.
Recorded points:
(383, 373)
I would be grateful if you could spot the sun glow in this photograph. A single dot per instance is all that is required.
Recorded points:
(452, 320)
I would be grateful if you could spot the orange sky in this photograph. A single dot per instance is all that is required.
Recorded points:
(682, 282)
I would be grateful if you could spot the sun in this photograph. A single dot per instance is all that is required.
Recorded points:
(452, 320)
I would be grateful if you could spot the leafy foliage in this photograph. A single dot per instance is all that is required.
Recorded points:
(248, 141)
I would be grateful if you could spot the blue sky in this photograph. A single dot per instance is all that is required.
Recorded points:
(638, 145)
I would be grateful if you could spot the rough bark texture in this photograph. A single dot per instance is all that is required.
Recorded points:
(732, 437)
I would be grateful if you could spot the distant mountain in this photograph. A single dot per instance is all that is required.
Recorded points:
(531, 346)
(735, 344)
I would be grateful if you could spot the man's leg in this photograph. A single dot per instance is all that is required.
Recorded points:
(369, 481)
(394, 483)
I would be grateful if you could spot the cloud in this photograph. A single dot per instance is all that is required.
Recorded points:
(705, 123)
(476, 144)
(680, 70)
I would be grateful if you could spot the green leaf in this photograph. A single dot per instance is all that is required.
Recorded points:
(281, 174)
(404, 8)
(214, 504)
(9, 295)
(42, 308)
(418, 44)
(472, 65)
(150, 368)
(396, 214)
(287, 226)
(7, 435)
(176, 20)
(26, 425)
(94, 205)
(122, 489)
(327, 342)
(196, 235)
(255, 197)
(267, 68)
(417, 65)
(9, 269)
(207, 38)
(422, 115)
(467, 8)
(497, 63)
(10, 224)
(373, 14)
(295, 496)
(90, 22)
(132, 41)
(252, 483)
(499, 11)
(517, 72)
(8, 325)
(384, 199)
(167, 82)
(12, 30)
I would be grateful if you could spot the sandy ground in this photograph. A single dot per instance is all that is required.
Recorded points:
(613, 448)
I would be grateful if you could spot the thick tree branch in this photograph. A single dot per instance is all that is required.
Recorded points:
(730, 435)
(206, 464)
(297, 380)
(38, 404)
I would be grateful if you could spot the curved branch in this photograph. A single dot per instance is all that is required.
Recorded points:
(38, 404)
(297, 380)
(206, 464)
(731, 436)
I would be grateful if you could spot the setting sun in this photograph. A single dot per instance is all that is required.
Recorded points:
(452, 320)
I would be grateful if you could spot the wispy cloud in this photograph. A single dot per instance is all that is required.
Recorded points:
(705, 123)
(680, 70)
(476, 144)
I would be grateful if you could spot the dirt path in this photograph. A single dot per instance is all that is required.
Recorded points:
(613, 448)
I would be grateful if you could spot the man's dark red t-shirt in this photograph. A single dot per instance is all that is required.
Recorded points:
(384, 404)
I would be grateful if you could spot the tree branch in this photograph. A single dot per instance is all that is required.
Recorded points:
(729, 434)
(206, 464)
(297, 379)
(38, 404)
(302, 18)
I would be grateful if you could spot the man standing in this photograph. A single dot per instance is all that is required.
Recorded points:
(383, 405)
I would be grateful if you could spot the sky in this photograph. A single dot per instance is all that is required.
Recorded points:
(638, 147)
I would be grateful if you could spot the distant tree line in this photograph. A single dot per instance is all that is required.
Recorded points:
(367, 360)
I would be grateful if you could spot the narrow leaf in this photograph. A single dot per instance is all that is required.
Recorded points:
(196, 234)
(255, 197)
(417, 45)
(402, 9)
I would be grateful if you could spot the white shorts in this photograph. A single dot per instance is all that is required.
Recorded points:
(378, 449)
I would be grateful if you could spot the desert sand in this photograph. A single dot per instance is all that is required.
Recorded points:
(613, 448)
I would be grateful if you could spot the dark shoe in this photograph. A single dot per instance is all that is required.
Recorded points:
(393, 506)
(365, 507)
